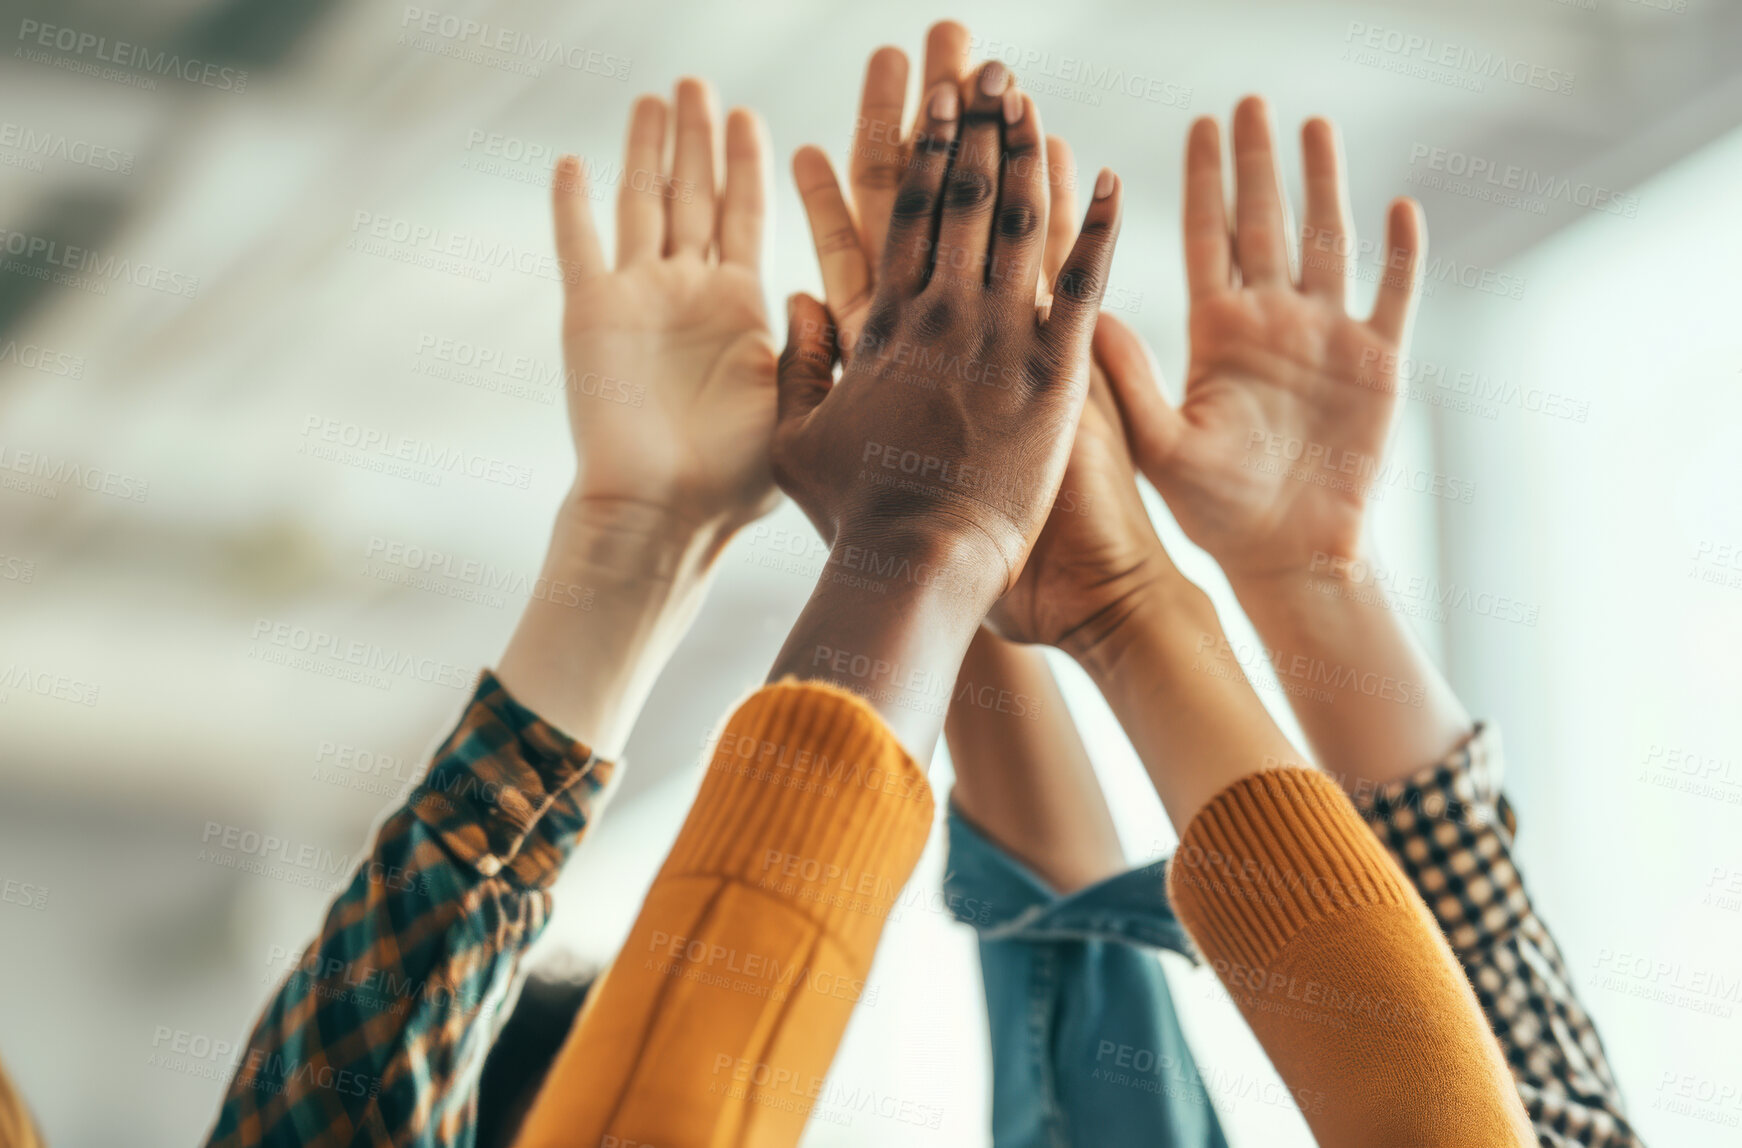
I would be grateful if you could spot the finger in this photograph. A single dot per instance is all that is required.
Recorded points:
(1208, 247)
(1400, 286)
(1152, 424)
(577, 241)
(844, 263)
(691, 226)
(971, 188)
(1260, 228)
(1328, 236)
(913, 219)
(879, 157)
(744, 202)
(1083, 279)
(641, 195)
(806, 370)
(1061, 211)
(947, 49)
(1019, 229)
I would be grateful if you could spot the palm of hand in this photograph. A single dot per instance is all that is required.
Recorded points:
(671, 388)
(1287, 406)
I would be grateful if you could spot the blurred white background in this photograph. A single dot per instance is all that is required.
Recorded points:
(1578, 359)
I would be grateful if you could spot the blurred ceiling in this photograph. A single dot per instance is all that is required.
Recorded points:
(235, 306)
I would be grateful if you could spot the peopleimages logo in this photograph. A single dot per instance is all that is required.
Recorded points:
(1491, 178)
(319, 650)
(1392, 49)
(41, 253)
(41, 145)
(88, 45)
(336, 440)
(463, 38)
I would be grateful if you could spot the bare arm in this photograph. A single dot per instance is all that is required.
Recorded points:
(1023, 777)
(1270, 461)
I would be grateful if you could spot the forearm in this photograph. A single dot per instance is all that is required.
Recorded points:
(452, 892)
(1023, 777)
(724, 1008)
(1374, 707)
(896, 643)
(620, 585)
(1340, 970)
(1167, 671)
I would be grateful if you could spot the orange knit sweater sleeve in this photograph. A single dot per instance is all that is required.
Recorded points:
(718, 1021)
(1340, 970)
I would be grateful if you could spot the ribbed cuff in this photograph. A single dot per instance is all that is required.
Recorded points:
(810, 798)
(1273, 854)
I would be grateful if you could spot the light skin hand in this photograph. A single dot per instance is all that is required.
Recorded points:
(1268, 461)
(670, 371)
(956, 372)
(849, 234)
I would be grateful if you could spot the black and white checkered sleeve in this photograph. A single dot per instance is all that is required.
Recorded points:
(1451, 829)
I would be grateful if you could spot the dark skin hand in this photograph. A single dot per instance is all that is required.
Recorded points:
(956, 408)
(943, 443)
(1102, 546)
(1099, 551)
(1026, 782)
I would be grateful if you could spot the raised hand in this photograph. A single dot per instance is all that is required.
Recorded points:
(1098, 553)
(941, 447)
(956, 412)
(1288, 400)
(671, 403)
(1269, 460)
(849, 235)
(670, 361)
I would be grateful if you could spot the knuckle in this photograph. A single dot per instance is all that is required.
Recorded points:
(968, 190)
(1018, 221)
(1080, 284)
(838, 240)
(940, 143)
(913, 203)
(878, 329)
(934, 320)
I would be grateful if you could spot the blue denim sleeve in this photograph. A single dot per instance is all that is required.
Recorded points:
(1086, 1048)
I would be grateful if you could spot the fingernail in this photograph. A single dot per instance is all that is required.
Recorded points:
(993, 77)
(943, 102)
(791, 306)
(1012, 106)
(1104, 183)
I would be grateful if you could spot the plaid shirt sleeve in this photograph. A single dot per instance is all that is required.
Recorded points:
(378, 1035)
(1451, 830)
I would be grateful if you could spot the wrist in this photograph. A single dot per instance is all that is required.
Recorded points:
(1325, 587)
(1156, 598)
(628, 541)
(959, 569)
(620, 583)
(890, 619)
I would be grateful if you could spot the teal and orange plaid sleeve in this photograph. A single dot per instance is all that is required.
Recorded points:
(377, 1036)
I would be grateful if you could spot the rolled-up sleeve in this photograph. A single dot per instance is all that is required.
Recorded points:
(378, 1034)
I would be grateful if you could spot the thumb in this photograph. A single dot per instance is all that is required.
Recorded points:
(807, 365)
(1152, 425)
